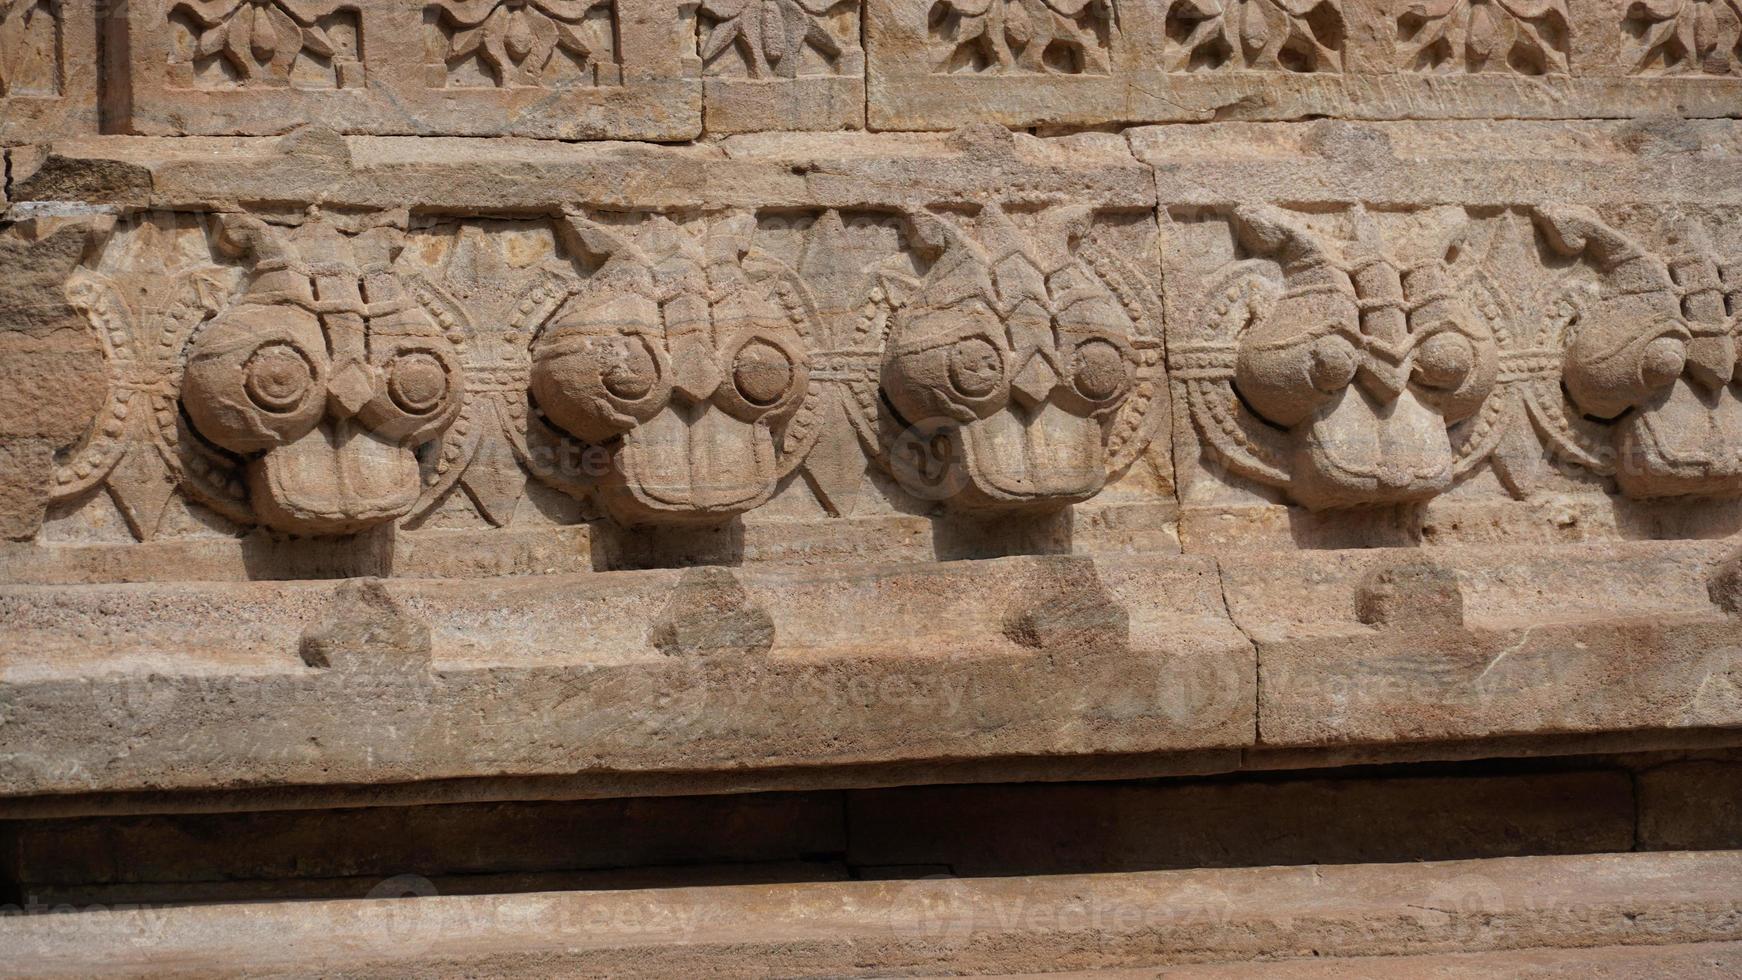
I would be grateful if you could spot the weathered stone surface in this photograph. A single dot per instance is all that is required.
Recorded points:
(996, 925)
(617, 69)
(743, 395)
(796, 65)
(98, 678)
(366, 629)
(51, 369)
(1694, 961)
(1074, 64)
(1689, 805)
(48, 70)
(1539, 660)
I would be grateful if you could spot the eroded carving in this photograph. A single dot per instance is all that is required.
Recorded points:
(1347, 372)
(29, 47)
(521, 43)
(1260, 35)
(1066, 37)
(324, 376)
(1650, 358)
(154, 285)
(780, 38)
(1683, 37)
(686, 359)
(273, 43)
(1018, 367)
(496, 288)
(1525, 37)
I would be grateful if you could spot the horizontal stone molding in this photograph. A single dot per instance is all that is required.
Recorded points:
(1534, 323)
(117, 689)
(1640, 910)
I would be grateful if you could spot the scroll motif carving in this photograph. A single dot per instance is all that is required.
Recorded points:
(498, 306)
(1019, 367)
(272, 43)
(1683, 37)
(1261, 35)
(29, 47)
(521, 43)
(1348, 373)
(147, 296)
(323, 377)
(1650, 358)
(1066, 37)
(780, 38)
(1525, 37)
(686, 359)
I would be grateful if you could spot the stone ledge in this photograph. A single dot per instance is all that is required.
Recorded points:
(1691, 961)
(796, 676)
(202, 686)
(962, 926)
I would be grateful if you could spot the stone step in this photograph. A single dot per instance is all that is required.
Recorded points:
(956, 926)
(1691, 961)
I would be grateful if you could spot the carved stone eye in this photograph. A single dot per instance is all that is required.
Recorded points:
(631, 372)
(1662, 361)
(1444, 361)
(417, 383)
(762, 373)
(1333, 365)
(976, 367)
(1099, 370)
(278, 377)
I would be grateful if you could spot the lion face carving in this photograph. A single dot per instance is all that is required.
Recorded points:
(678, 362)
(325, 376)
(1015, 352)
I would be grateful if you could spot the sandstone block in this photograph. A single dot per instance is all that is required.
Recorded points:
(995, 925)
(559, 69)
(905, 664)
(48, 70)
(1692, 804)
(1569, 658)
(938, 66)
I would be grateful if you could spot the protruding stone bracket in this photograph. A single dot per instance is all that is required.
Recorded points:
(1411, 595)
(1066, 608)
(366, 628)
(1724, 584)
(709, 614)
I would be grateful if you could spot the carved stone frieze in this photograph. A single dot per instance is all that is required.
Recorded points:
(1650, 357)
(1348, 372)
(322, 377)
(543, 44)
(48, 69)
(566, 69)
(684, 361)
(942, 65)
(801, 332)
(1272, 35)
(1670, 37)
(1021, 365)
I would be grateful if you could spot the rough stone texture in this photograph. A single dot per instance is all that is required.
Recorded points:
(795, 394)
(843, 684)
(561, 69)
(48, 69)
(996, 925)
(1695, 961)
(1689, 805)
(1075, 64)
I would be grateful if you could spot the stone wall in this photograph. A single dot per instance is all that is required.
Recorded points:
(748, 395)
